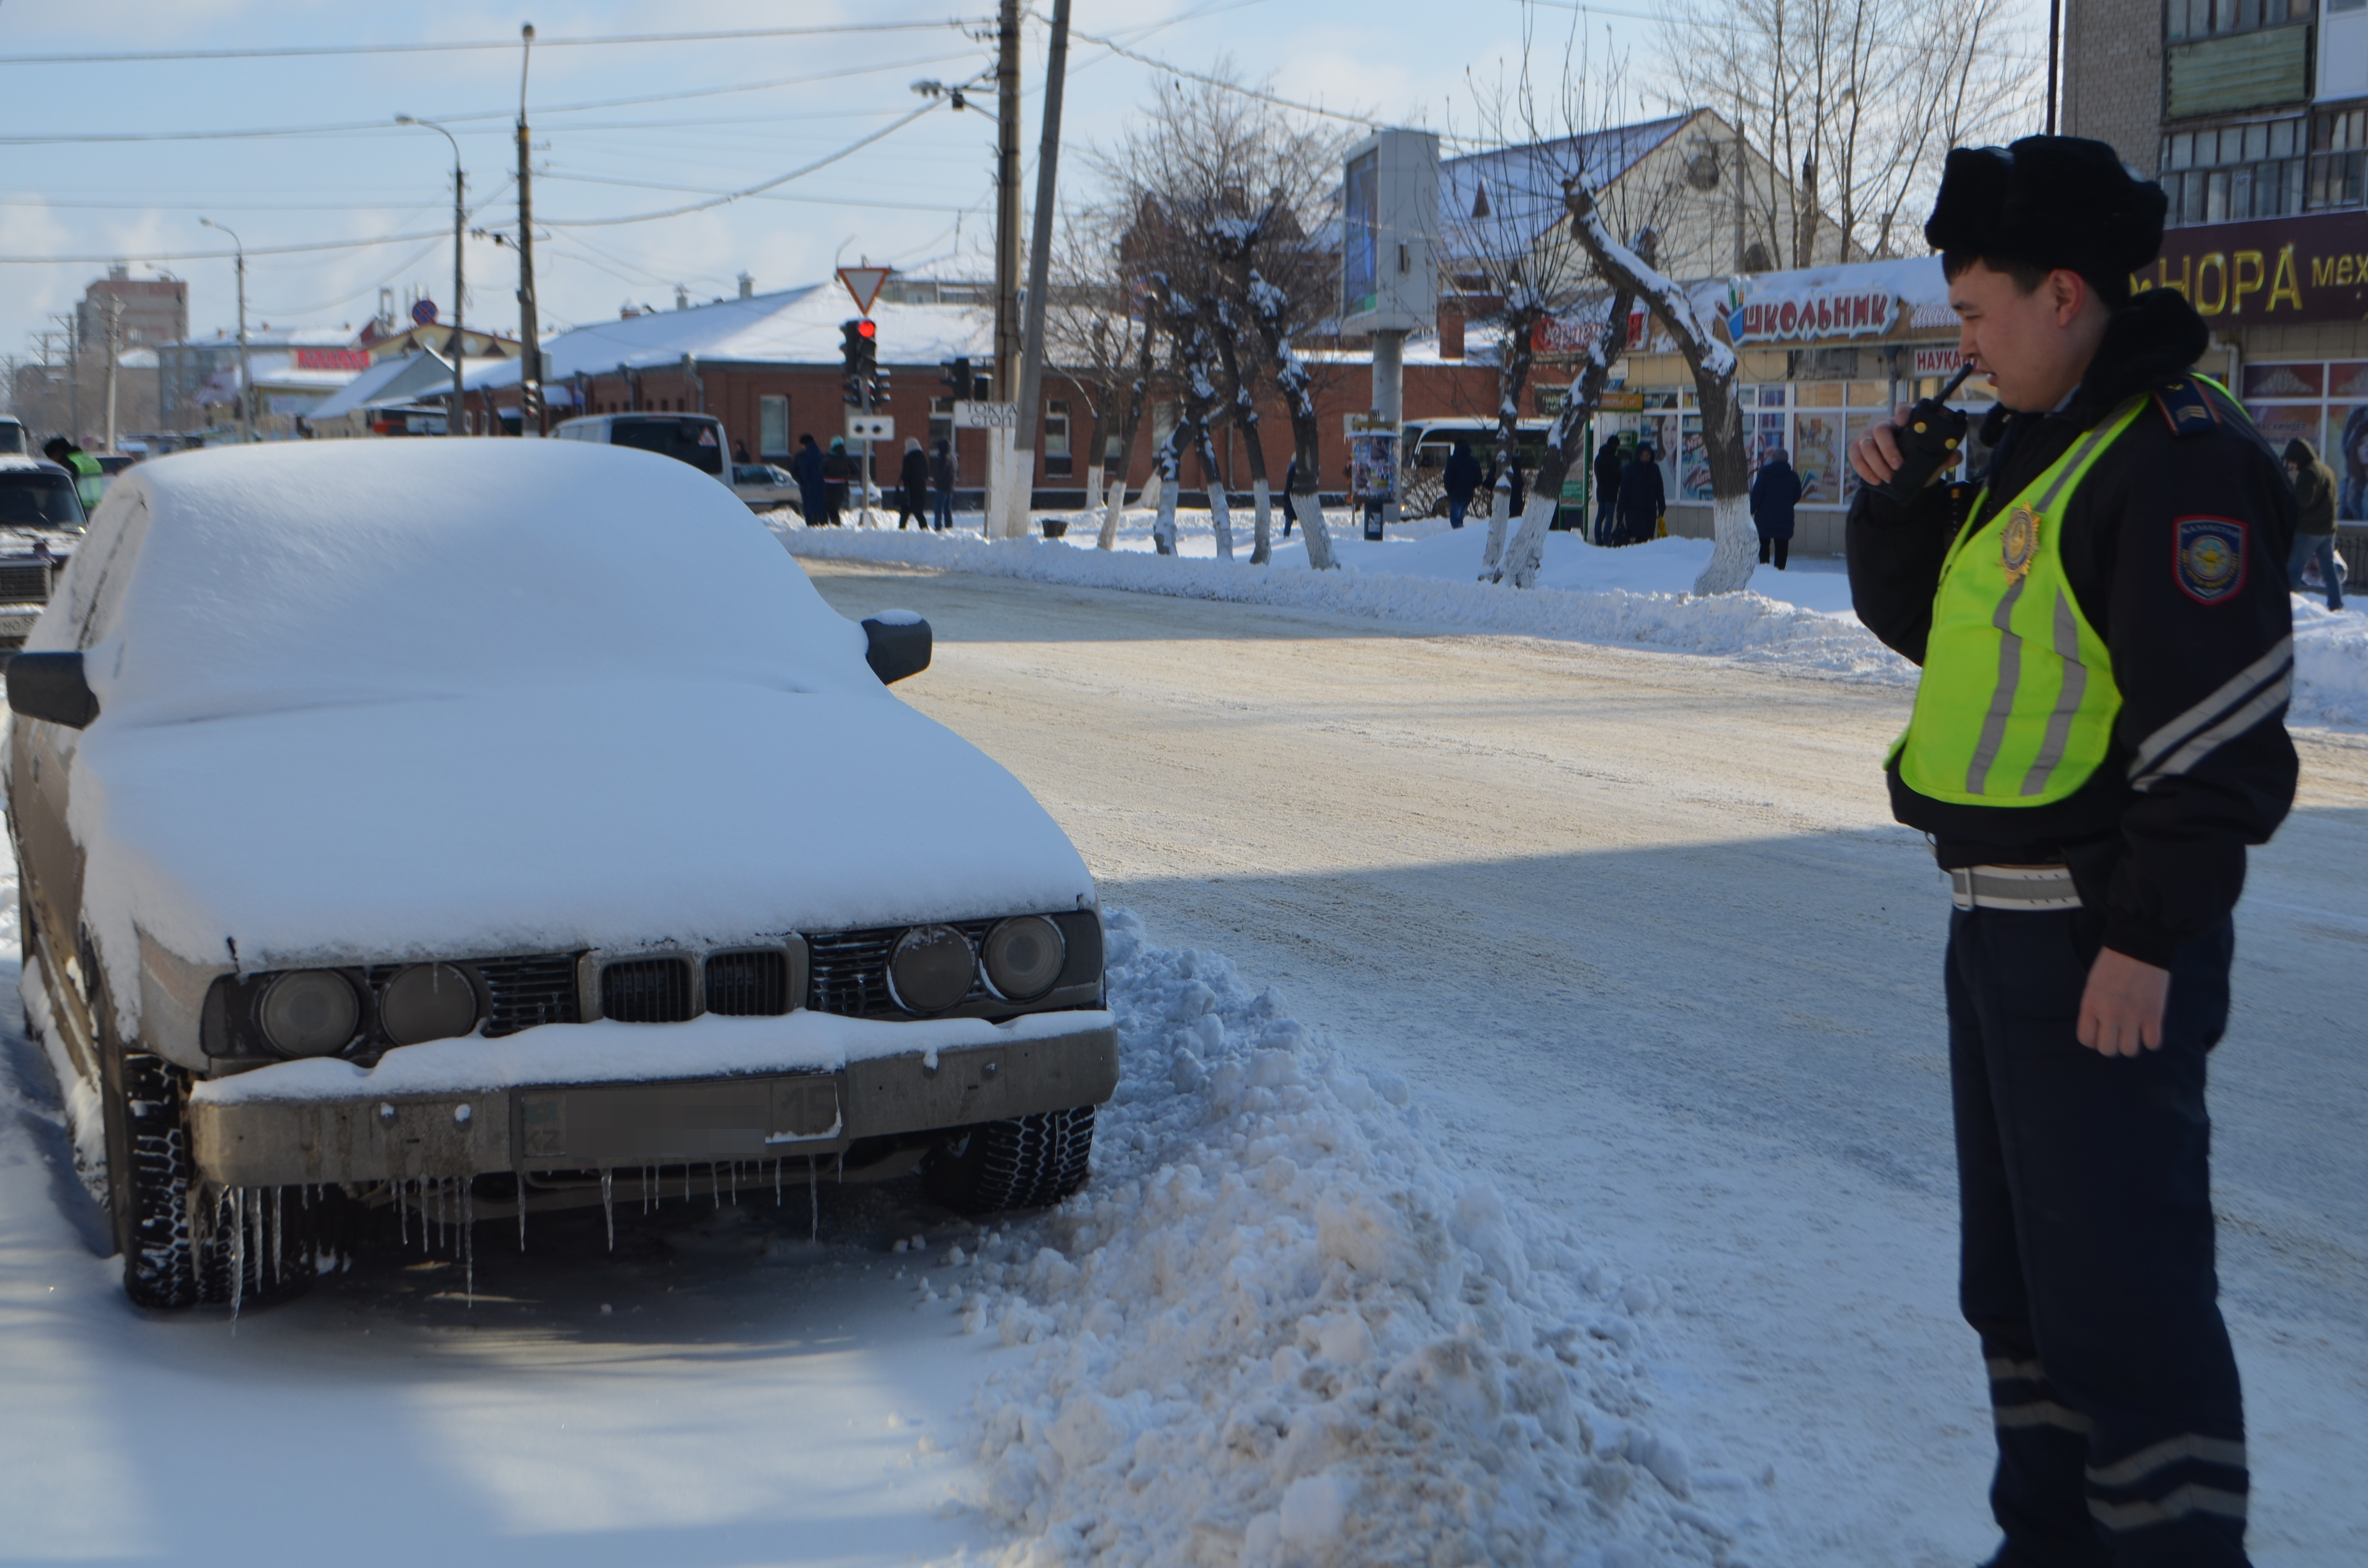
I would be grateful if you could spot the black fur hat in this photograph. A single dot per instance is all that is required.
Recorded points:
(2050, 202)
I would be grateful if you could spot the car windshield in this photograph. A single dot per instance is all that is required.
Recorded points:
(35, 498)
(13, 438)
(692, 439)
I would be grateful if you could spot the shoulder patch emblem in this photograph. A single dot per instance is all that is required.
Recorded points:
(2187, 408)
(2210, 559)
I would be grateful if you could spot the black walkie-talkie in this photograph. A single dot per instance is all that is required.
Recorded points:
(1928, 441)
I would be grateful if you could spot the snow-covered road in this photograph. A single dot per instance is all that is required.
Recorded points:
(1639, 929)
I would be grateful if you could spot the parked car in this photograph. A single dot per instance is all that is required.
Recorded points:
(607, 859)
(765, 487)
(15, 439)
(40, 521)
(695, 438)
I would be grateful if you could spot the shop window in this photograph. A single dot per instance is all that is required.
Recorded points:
(772, 428)
(2212, 18)
(2286, 400)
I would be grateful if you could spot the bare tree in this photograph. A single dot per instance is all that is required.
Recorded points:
(1095, 332)
(1858, 101)
(1227, 194)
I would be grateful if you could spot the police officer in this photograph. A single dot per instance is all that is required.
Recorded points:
(2099, 733)
(90, 478)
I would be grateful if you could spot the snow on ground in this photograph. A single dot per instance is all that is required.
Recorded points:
(1635, 596)
(1279, 1329)
(1423, 578)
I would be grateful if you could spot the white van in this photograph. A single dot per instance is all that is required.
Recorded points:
(695, 438)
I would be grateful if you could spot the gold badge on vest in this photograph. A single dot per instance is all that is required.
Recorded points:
(2019, 542)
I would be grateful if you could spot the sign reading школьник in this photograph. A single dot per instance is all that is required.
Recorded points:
(2268, 272)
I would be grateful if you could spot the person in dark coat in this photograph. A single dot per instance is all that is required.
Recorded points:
(1290, 482)
(941, 482)
(1520, 488)
(1460, 480)
(1775, 491)
(1608, 469)
(837, 469)
(1642, 497)
(740, 451)
(2313, 487)
(913, 486)
(806, 469)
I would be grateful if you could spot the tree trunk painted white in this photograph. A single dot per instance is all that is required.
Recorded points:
(1500, 504)
(1115, 505)
(1163, 532)
(1735, 554)
(1221, 521)
(1309, 511)
(1262, 549)
(1155, 492)
(1093, 494)
(1528, 551)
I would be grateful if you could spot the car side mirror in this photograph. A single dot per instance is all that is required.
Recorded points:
(50, 687)
(899, 646)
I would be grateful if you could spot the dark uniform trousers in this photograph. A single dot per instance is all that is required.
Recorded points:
(2088, 1266)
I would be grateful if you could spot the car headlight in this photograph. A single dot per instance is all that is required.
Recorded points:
(931, 969)
(428, 1001)
(310, 1012)
(1023, 957)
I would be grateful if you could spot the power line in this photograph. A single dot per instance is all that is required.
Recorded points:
(316, 51)
(762, 196)
(118, 255)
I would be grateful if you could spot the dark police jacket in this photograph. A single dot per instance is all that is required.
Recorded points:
(2200, 765)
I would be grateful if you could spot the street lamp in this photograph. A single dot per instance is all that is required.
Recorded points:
(245, 390)
(460, 217)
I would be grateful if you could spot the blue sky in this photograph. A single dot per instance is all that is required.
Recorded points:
(919, 198)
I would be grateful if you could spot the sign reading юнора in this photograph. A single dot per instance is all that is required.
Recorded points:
(2268, 271)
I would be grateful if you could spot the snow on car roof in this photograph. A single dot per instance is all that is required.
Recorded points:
(323, 573)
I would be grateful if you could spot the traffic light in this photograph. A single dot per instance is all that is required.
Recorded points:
(880, 388)
(957, 376)
(859, 350)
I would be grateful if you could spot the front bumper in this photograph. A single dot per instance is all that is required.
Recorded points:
(326, 1133)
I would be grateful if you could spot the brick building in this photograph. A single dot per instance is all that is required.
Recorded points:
(155, 310)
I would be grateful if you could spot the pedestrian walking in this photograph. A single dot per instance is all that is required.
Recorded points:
(1290, 484)
(2098, 734)
(942, 483)
(913, 486)
(837, 470)
(1642, 497)
(1775, 491)
(2314, 488)
(1460, 480)
(806, 469)
(1608, 468)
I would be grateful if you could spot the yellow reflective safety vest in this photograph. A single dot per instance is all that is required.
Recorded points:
(2017, 703)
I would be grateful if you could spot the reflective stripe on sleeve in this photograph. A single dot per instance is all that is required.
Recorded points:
(2177, 1505)
(2170, 1450)
(2041, 1412)
(2277, 663)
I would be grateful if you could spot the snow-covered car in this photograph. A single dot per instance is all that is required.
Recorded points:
(764, 487)
(351, 869)
(40, 522)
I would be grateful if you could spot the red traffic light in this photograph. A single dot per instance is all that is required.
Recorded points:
(867, 327)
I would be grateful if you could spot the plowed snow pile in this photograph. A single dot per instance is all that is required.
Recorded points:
(1278, 1329)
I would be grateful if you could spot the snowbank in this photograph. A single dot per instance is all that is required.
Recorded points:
(1612, 597)
(1800, 619)
(1281, 1328)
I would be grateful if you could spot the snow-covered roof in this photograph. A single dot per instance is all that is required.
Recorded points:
(281, 371)
(791, 326)
(397, 380)
(1523, 185)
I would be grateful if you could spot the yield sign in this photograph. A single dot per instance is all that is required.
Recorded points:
(864, 283)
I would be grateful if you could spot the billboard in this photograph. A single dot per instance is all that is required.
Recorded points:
(1389, 234)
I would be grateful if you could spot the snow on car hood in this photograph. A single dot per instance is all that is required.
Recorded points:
(549, 820)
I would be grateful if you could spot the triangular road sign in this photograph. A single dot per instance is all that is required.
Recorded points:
(864, 283)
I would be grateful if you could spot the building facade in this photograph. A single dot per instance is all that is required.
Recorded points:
(2253, 114)
(153, 310)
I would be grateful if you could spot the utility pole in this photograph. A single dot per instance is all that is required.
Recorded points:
(114, 349)
(245, 391)
(1039, 259)
(2055, 34)
(1007, 262)
(529, 339)
(454, 423)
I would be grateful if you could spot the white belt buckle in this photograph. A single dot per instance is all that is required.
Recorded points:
(1961, 887)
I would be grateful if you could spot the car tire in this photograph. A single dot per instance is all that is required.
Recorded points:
(180, 1249)
(1030, 1161)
